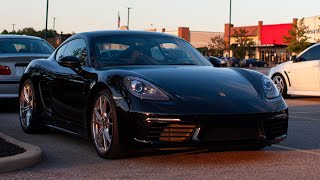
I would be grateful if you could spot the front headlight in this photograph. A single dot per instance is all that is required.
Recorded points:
(143, 89)
(269, 88)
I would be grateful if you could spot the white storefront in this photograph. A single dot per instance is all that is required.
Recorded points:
(313, 23)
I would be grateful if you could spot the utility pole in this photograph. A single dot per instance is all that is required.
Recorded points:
(230, 31)
(46, 31)
(54, 32)
(54, 23)
(128, 16)
(13, 27)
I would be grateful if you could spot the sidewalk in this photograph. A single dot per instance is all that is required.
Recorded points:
(29, 157)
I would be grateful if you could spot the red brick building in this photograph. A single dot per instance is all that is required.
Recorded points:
(197, 39)
(268, 40)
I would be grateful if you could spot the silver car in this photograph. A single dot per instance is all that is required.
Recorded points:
(16, 52)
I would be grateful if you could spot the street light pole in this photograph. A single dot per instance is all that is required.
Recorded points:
(128, 16)
(13, 27)
(230, 31)
(54, 23)
(45, 35)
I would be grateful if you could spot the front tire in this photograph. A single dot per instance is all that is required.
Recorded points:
(281, 84)
(104, 126)
(29, 112)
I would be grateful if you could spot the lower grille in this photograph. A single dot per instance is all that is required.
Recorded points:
(170, 132)
(275, 127)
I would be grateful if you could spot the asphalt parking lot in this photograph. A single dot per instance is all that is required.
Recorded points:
(68, 157)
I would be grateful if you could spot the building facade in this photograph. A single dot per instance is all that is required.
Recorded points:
(268, 40)
(313, 24)
(197, 39)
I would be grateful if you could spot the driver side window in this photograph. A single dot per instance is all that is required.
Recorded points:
(60, 52)
(76, 48)
(311, 54)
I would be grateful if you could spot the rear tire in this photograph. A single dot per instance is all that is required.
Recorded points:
(281, 84)
(29, 112)
(104, 126)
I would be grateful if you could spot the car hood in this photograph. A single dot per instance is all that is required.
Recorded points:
(205, 89)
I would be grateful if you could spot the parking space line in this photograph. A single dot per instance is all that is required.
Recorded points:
(309, 119)
(304, 112)
(298, 150)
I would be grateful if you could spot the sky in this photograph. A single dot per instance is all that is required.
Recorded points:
(199, 15)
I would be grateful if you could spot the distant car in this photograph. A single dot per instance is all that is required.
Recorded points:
(301, 75)
(16, 51)
(253, 62)
(217, 62)
(235, 62)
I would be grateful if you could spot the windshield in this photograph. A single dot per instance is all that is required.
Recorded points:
(145, 50)
(24, 45)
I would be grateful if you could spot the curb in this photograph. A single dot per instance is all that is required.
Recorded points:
(30, 157)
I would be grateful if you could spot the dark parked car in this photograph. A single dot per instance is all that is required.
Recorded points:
(252, 62)
(156, 90)
(217, 62)
(16, 51)
(235, 62)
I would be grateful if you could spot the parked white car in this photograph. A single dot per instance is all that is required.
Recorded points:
(301, 75)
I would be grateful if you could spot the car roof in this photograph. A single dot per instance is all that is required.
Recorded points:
(94, 34)
(14, 36)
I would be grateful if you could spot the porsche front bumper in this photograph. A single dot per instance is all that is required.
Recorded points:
(207, 130)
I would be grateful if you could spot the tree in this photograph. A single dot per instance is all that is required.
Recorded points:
(297, 40)
(244, 44)
(28, 31)
(217, 46)
(32, 32)
(204, 51)
(5, 32)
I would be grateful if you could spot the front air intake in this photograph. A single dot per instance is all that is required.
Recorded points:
(170, 132)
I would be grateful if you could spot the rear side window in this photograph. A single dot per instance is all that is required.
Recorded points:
(24, 45)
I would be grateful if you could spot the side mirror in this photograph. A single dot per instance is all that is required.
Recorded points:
(293, 58)
(72, 62)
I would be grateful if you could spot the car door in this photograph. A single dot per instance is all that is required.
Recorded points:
(305, 71)
(68, 88)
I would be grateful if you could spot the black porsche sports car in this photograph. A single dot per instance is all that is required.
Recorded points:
(127, 88)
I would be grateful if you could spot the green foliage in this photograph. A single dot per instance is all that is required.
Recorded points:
(203, 50)
(217, 46)
(32, 32)
(5, 32)
(297, 40)
(244, 46)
